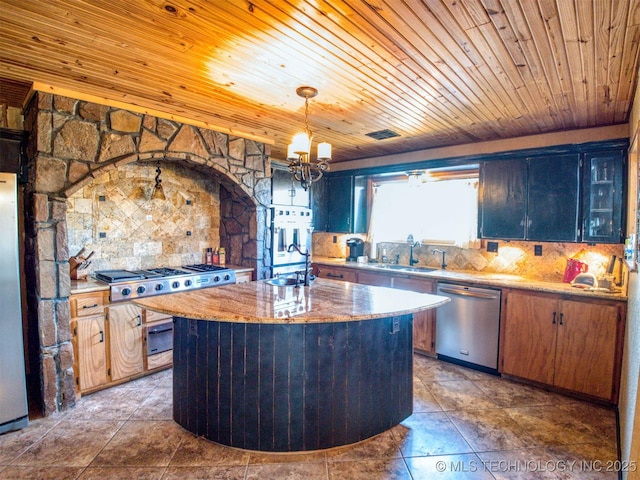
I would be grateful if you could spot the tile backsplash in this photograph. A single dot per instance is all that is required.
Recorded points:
(116, 217)
(512, 257)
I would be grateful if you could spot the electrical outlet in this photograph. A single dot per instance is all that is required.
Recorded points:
(537, 250)
(492, 246)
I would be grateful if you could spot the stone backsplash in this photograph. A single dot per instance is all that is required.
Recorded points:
(116, 218)
(513, 257)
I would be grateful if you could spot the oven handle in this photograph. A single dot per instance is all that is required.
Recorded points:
(467, 293)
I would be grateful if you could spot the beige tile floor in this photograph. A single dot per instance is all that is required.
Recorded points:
(465, 425)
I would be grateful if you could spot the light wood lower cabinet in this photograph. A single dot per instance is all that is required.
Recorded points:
(125, 340)
(570, 344)
(424, 323)
(89, 337)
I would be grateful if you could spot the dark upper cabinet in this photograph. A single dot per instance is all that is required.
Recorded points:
(541, 198)
(553, 198)
(339, 204)
(12, 159)
(319, 198)
(603, 199)
(503, 202)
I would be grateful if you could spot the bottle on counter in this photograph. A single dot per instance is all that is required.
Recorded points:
(384, 258)
(216, 257)
(222, 257)
(208, 258)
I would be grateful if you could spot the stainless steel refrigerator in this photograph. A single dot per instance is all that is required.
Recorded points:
(13, 392)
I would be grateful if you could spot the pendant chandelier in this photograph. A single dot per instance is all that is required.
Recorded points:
(302, 167)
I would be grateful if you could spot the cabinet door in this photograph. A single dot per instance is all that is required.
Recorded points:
(91, 351)
(424, 332)
(503, 199)
(376, 279)
(603, 219)
(424, 323)
(530, 337)
(340, 202)
(125, 340)
(320, 205)
(552, 209)
(586, 348)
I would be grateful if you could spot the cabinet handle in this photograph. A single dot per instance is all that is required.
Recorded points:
(554, 318)
(90, 306)
(101, 336)
(561, 315)
(333, 275)
(139, 317)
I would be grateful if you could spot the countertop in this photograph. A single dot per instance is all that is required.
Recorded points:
(90, 284)
(480, 278)
(323, 301)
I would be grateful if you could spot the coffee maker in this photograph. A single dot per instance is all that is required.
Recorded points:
(356, 249)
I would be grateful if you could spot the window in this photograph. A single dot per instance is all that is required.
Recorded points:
(442, 210)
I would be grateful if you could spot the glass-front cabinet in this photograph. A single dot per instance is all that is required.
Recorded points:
(603, 197)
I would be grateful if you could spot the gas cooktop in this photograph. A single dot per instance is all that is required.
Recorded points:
(129, 284)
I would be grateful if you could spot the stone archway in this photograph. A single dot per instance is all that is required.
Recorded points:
(72, 142)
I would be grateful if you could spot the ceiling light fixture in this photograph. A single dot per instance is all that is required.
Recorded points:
(158, 191)
(303, 169)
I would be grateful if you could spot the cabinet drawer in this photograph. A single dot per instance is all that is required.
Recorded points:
(159, 360)
(85, 304)
(244, 277)
(333, 273)
(149, 316)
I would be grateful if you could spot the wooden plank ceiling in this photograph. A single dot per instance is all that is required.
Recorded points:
(436, 72)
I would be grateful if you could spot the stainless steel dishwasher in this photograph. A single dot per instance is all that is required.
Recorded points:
(468, 327)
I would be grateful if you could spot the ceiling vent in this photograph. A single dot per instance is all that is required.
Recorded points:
(382, 134)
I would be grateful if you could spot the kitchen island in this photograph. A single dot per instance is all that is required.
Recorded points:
(283, 368)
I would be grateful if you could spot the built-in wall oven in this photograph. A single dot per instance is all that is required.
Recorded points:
(291, 225)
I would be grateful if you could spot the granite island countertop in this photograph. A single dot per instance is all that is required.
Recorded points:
(502, 280)
(322, 302)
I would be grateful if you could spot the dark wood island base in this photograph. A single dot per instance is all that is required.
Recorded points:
(284, 387)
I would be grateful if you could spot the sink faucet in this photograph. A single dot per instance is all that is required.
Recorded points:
(436, 251)
(412, 245)
(307, 262)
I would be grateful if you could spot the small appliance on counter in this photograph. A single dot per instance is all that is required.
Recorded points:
(585, 280)
(356, 249)
(573, 269)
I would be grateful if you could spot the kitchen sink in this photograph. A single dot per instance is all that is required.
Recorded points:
(283, 282)
(403, 268)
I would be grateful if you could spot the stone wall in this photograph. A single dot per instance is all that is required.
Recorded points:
(71, 144)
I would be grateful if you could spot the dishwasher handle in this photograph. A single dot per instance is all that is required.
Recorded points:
(469, 293)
